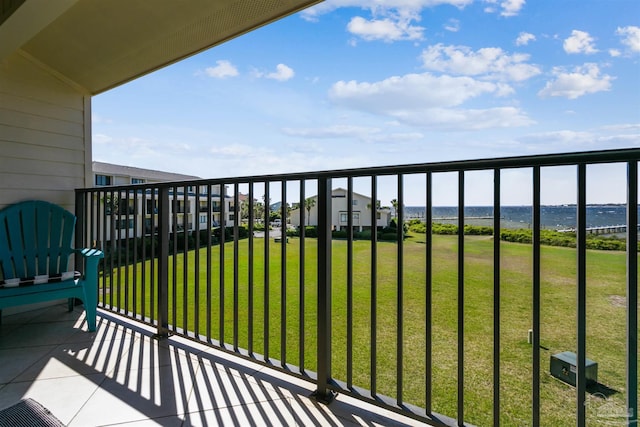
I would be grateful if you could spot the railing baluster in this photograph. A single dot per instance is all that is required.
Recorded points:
(374, 292)
(155, 241)
(250, 272)
(174, 240)
(136, 214)
(125, 226)
(496, 296)
(112, 239)
(209, 272)
(461, 297)
(301, 310)
(185, 256)
(267, 211)
(400, 292)
(163, 263)
(196, 263)
(350, 281)
(581, 295)
(143, 268)
(632, 293)
(535, 404)
(283, 273)
(221, 275)
(428, 218)
(236, 256)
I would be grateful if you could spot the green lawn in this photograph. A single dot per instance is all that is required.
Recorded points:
(605, 321)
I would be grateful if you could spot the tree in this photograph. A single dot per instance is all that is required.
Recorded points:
(378, 205)
(244, 209)
(258, 210)
(309, 203)
(394, 203)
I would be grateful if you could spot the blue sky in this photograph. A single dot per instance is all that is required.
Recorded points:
(356, 83)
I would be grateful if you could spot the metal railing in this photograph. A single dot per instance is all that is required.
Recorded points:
(277, 302)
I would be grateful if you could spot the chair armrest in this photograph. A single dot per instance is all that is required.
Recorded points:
(89, 253)
(91, 259)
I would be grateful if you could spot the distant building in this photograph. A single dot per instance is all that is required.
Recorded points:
(361, 211)
(182, 206)
(111, 174)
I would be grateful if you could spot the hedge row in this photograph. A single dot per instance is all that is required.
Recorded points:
(547, 237)
(388, 233)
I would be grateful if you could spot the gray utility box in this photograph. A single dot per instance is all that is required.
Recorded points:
(563, 367)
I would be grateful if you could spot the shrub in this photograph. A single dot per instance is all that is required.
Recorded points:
(438, 228)
(362, 235)
(388, 236)
(420, 227)
(477, 230)
(311, 231)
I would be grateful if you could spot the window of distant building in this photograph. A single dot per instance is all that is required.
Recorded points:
(344, 217)
(137, 181)
(103, 180)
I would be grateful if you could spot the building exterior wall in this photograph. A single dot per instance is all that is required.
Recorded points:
(44, 135)
(361, 211)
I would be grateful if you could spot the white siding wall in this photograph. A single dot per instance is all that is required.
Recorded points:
(44, 135)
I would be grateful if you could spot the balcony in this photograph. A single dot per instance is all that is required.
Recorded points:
(448, 330)
(122, 375)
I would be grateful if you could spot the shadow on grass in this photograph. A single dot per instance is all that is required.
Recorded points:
(601, 389)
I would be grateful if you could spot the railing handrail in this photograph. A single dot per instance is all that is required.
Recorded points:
(543, 160)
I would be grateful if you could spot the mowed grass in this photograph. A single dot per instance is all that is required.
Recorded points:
(606, 333)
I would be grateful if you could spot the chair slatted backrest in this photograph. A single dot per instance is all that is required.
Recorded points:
(35, 239)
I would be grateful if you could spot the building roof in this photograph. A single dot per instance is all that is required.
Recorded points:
(96, 45)
(100, 168)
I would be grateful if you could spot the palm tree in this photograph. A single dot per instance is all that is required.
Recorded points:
(394, 203)
(309, 203)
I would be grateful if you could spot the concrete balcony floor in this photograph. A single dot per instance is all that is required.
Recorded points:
(122, 376)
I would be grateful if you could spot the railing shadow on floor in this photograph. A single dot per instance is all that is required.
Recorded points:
(176, 383)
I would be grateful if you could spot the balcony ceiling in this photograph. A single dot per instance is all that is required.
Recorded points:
(97, 44)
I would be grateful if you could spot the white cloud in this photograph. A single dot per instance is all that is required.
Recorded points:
(617, 136)
(429, 101)
(452, 25)
(630, 37)
(579, 42)
(387, 29)
(465, 119)
(511, 7)
(335, 131)
(222, 70)
(327, 6)
(573, 84)
(409, 91)
(100, 138)
(524, 39)
(491, 62)
(233, 150)
(614, 53)
(282, 73)
(362, 133)
(507, 7)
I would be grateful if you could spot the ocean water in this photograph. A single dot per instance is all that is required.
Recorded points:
(552, 217)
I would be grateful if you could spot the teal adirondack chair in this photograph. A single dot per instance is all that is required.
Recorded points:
(35, 246)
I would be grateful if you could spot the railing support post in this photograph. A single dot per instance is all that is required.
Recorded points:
(323, 394)
(632, 293)
(163, 263)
